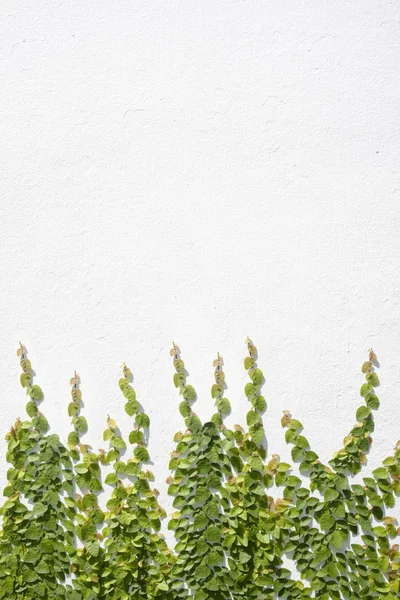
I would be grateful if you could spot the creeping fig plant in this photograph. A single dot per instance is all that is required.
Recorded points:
(238, 514)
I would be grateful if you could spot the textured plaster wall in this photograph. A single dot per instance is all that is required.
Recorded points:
(199, 172)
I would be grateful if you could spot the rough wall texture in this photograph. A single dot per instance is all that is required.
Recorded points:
(201, 171)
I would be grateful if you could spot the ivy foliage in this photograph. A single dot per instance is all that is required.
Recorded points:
(85, 525)
(37, 535)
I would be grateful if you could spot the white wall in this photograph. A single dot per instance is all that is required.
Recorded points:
(201, 171)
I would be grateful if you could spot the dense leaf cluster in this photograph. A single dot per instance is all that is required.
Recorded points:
(239, 518)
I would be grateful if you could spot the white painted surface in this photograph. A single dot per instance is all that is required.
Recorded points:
(201, 171)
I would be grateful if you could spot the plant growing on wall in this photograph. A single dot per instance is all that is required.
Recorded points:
(239, 515)
(37, 533)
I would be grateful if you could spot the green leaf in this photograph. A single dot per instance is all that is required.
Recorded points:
(184, 409)
(259, 403)
(129, 393)
(257, 433)
(330, 495)
(88, 500)
(212, 535)
(73, 409)
(118, 442)
(76, 395)
(365, 389)
(107, 435)
(202, 495)
(380, 473)
(337, 539)
(372, 401)
(123, 383)
(35, 392)
(135, 436)
(202, 572)
(200, 521)
(26, 379)
(141, 453)
(362, 413)
(131, 407)
(142, 420)
(73, 438)
(257, 376)
(40, 423)
(293, 481)
(80, 424)
(244, 557)
(217, 419)
(223, 405)
(252, 417)
(193, 423)
(179, 379)
(250, 390)
(81, 469)
(25, 364)
(42, 568)
(93, 547)
(327, 521)
(302, 442)
(296, 453)
(31, 409)
(372, 379)
(189, 393)
(39, 509)
(379, 531)
(248, 362)
(179, 365)
(111, 479)
(216, 390)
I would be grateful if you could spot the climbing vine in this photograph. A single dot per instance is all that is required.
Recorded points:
(83, 525)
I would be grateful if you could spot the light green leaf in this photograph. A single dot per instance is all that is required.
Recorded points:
(362, 413)
(26, 379)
